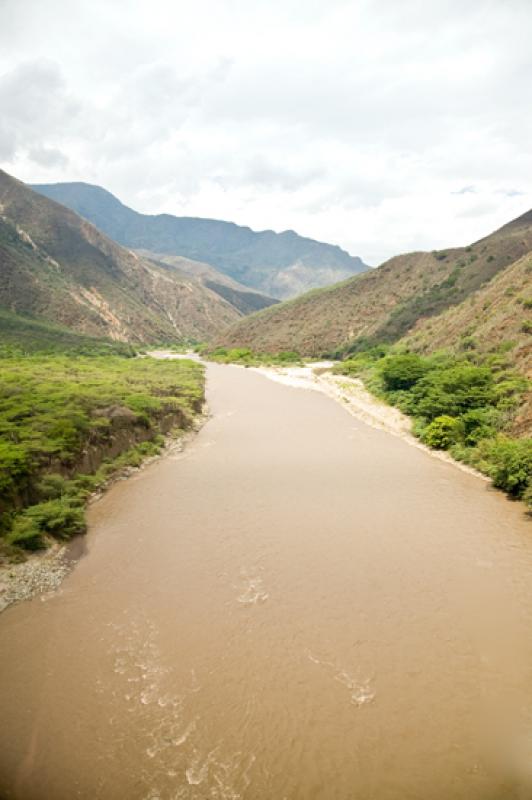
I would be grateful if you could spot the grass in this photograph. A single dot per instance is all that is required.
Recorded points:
(23, 335)
(60, 399)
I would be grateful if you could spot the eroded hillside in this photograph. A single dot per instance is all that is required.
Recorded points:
(58, 266)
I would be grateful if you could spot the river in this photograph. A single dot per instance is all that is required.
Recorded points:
(297, 606)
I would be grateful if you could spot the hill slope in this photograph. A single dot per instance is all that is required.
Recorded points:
(241, 297)
(497, 317)
(386, 303)
(59, 267)
(277, 264)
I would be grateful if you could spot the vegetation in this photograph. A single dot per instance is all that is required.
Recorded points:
(247, 358)
(464, 403)
(70, 417)
(461, 403)
(22, 336)
(431, 298)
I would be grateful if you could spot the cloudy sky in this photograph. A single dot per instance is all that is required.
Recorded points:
(379, 125)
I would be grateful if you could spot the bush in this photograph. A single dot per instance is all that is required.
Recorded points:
(288, 356)
(52, 486)
(479, 423)
(353, 366)
(443, 432)
(403, 371)
(60, 518)
(453, 391)
(13, 465)
(511, 465)
(239, 354)
(27, 534)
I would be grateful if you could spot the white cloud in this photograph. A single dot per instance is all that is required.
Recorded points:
(377, 125)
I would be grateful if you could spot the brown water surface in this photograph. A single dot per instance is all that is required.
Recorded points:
(297, 606)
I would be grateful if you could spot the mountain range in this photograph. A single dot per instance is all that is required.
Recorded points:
(279, 265)
(57, 266)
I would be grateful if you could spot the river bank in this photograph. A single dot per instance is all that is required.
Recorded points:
(42, 572)
(359, 402)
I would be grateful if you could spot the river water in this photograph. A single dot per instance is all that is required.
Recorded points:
(297, 606)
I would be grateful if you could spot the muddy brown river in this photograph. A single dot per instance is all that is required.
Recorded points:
(297, 606)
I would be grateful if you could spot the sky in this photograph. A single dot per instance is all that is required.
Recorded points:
(380, 125)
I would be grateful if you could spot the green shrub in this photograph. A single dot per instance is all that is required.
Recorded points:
(239, 354)
(511, 465)
(453, 391)
(27, 534)
(479, 423)
(61, 518)
(443, 432)
(468, 343)
(52, 486)
(403, 371)
(14, 465)
(288, 356)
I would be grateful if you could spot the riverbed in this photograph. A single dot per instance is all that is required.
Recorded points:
(298, 605)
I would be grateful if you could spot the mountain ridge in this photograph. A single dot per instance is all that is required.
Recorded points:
(276, 264)
(385, 304)
(58, 266)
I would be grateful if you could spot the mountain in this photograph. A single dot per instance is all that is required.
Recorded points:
(279, 265)
(54, 265)
(387, 303)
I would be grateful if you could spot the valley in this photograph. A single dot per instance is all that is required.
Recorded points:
(248, 614)
(251, 618)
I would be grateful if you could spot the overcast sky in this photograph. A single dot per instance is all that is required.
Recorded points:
(379, 125)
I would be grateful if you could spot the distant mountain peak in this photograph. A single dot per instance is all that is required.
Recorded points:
(262, 260)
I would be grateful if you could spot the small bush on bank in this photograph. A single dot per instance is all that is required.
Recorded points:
(27, 535)
(511, 465)
(61, 518)
(443, 432)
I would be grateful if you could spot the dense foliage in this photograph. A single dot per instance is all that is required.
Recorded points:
(464, 404)
(55, 405)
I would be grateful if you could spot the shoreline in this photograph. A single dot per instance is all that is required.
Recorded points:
(43, 572)
(352, 395)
